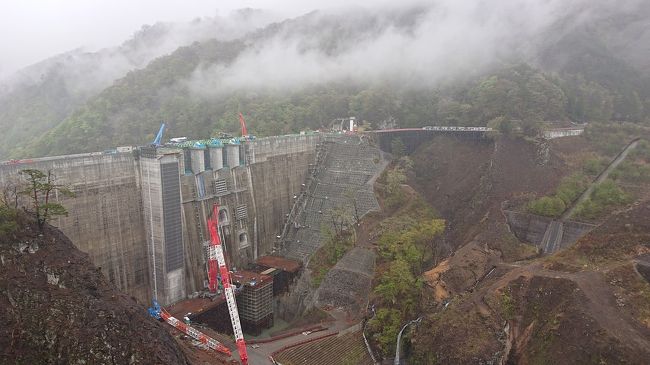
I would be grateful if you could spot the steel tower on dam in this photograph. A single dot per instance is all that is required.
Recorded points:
(140, 213)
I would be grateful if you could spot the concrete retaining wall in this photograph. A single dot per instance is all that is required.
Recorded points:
(573, 231)
(347, 285)
(527, 227)
(531, 228)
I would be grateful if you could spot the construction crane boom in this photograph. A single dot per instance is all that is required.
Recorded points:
(158, 312)
(158, 140)
(217, 259)
(242, 122)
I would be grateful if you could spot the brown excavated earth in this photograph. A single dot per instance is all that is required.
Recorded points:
(57, 308)
(468, 182)
(586, 305)
(589, 304)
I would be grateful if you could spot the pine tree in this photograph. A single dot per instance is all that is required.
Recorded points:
(40, 188)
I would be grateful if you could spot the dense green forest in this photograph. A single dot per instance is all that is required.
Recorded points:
(578, 76)
(39, 97)
(517, 92)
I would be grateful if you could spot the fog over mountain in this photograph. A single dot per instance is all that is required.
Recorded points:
(420, 43)
(417, 43)
(86, 71)
(38, 97)
(587, 58)
(33, 30)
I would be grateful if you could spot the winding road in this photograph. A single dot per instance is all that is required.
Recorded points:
(601, 300)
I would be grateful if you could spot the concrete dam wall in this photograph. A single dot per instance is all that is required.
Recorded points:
(105, 218)
(141, 213)
(533, 229)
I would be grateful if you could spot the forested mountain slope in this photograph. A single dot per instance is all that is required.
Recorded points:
(441, 63)
(41, 96)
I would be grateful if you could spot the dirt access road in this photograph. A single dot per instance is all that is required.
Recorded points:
(601, 301)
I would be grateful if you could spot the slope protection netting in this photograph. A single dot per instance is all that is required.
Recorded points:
(339, 182)
(347, 285)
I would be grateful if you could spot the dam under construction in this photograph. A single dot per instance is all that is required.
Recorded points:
(141, 214)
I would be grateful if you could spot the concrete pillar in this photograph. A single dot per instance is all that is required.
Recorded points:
(161, 197)
(198, 160)
(216, 158)
(233, 155)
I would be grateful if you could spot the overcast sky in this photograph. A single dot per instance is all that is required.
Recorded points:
(32, 30)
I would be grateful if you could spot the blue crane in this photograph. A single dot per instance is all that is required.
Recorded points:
(156, 142)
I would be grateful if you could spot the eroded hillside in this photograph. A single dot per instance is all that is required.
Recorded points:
(588, 304)
(468, 182)
(57, 308)
(494, 299)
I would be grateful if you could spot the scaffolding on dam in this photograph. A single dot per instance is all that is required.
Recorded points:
(269, 277)
(255, 302)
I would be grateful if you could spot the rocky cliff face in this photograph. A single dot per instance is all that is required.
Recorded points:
(57, 308)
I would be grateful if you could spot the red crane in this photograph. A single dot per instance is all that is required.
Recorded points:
(242, 122)
(158, 312)
(217, 263)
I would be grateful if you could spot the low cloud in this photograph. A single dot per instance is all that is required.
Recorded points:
(417, 43)
(85, 72)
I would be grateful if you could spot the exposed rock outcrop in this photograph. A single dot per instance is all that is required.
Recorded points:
(57, 308)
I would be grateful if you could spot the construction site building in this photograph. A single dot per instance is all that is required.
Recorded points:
(255, 302)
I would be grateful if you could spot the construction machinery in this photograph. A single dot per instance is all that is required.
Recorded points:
(242, 122)
(244, 130)
(158, 140)
(159, 312)
(217, 265)
(217, 269)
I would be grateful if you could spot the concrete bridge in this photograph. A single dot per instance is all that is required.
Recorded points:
(415, 137)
